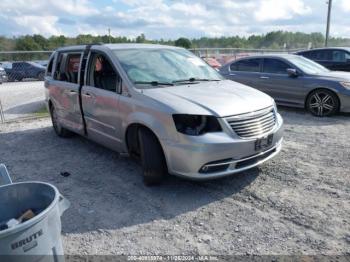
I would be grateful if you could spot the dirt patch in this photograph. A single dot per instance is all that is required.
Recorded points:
(297, 203)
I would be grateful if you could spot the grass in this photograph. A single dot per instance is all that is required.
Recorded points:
(42, 112)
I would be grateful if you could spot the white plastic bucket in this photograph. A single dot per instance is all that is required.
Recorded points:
(38, 239)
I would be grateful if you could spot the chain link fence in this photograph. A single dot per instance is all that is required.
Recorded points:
(21, 84)
(225, 55)
(22, 75)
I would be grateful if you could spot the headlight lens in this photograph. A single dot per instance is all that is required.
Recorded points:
(345, 84)
(195, 125)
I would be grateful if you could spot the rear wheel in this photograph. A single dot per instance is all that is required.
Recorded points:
(322, 103)
(152, 158)
(59, 130)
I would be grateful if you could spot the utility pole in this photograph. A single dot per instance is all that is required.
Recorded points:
(109, 35)
(328, 20)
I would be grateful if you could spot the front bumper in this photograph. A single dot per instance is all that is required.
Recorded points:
(344, 98)
(230, 153)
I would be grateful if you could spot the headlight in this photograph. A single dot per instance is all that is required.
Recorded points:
(345, 84)
(195, 125)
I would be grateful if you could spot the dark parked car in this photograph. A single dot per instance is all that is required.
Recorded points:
(294, 81)
(21, 70)
(336, 58)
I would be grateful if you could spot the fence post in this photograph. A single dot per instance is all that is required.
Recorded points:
(2, 116)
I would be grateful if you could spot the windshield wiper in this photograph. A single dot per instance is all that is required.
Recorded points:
(154, 83)
(193, 79)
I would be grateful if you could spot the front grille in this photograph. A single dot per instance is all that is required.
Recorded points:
(253, 125)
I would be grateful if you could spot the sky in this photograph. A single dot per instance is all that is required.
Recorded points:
(170, 19)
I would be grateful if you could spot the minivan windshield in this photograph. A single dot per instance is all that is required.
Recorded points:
(164, 67)
(308, 66)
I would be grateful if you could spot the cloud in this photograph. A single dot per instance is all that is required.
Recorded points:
(269, 10)
(346, 5)
(66, 21)
(40, 16)
(37, 25)
(44, 7)
(169, 18)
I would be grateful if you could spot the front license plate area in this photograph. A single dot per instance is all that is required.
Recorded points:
(263, 143)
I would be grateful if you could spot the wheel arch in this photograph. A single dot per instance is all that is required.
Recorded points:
(132, 140)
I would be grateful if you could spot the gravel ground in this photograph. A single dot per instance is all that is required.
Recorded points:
(21, 99)
(297, 203)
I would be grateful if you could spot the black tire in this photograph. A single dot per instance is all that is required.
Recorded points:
(152, 158)
(11, 79)
(41, 76)
(322, 103)
(59, 130)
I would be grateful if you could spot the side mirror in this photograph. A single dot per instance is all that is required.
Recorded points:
(292, 72)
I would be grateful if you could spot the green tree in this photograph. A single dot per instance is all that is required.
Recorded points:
(41, 41)
(27, 43)
(183, 42)
(141, 39)
(271, 40)
(57, 41)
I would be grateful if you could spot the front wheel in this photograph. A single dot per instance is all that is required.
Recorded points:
(152, 158)
(322, 103)
(59, 130)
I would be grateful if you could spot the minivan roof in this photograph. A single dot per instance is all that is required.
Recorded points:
(137, 46)
(120, 46)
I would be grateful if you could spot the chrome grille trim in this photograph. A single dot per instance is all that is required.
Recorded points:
(251, 125)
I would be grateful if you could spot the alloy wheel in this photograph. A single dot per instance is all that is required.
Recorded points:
(322, 103)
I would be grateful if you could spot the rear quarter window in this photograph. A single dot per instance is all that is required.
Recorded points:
(67, 68)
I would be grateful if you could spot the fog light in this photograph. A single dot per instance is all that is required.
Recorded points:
(213, 169)
(204, 169)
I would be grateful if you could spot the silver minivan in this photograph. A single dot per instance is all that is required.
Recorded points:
(164, 106)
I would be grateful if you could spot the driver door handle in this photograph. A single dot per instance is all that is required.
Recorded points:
(264, 77)
(87, 95)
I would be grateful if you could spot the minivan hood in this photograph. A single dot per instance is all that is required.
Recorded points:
(222, 98)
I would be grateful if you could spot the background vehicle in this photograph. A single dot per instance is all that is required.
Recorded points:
(3, 75)
(294, 81)
(163, 105)
(212, 62)
(21, 70)
(337, 59)
(41, 62)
